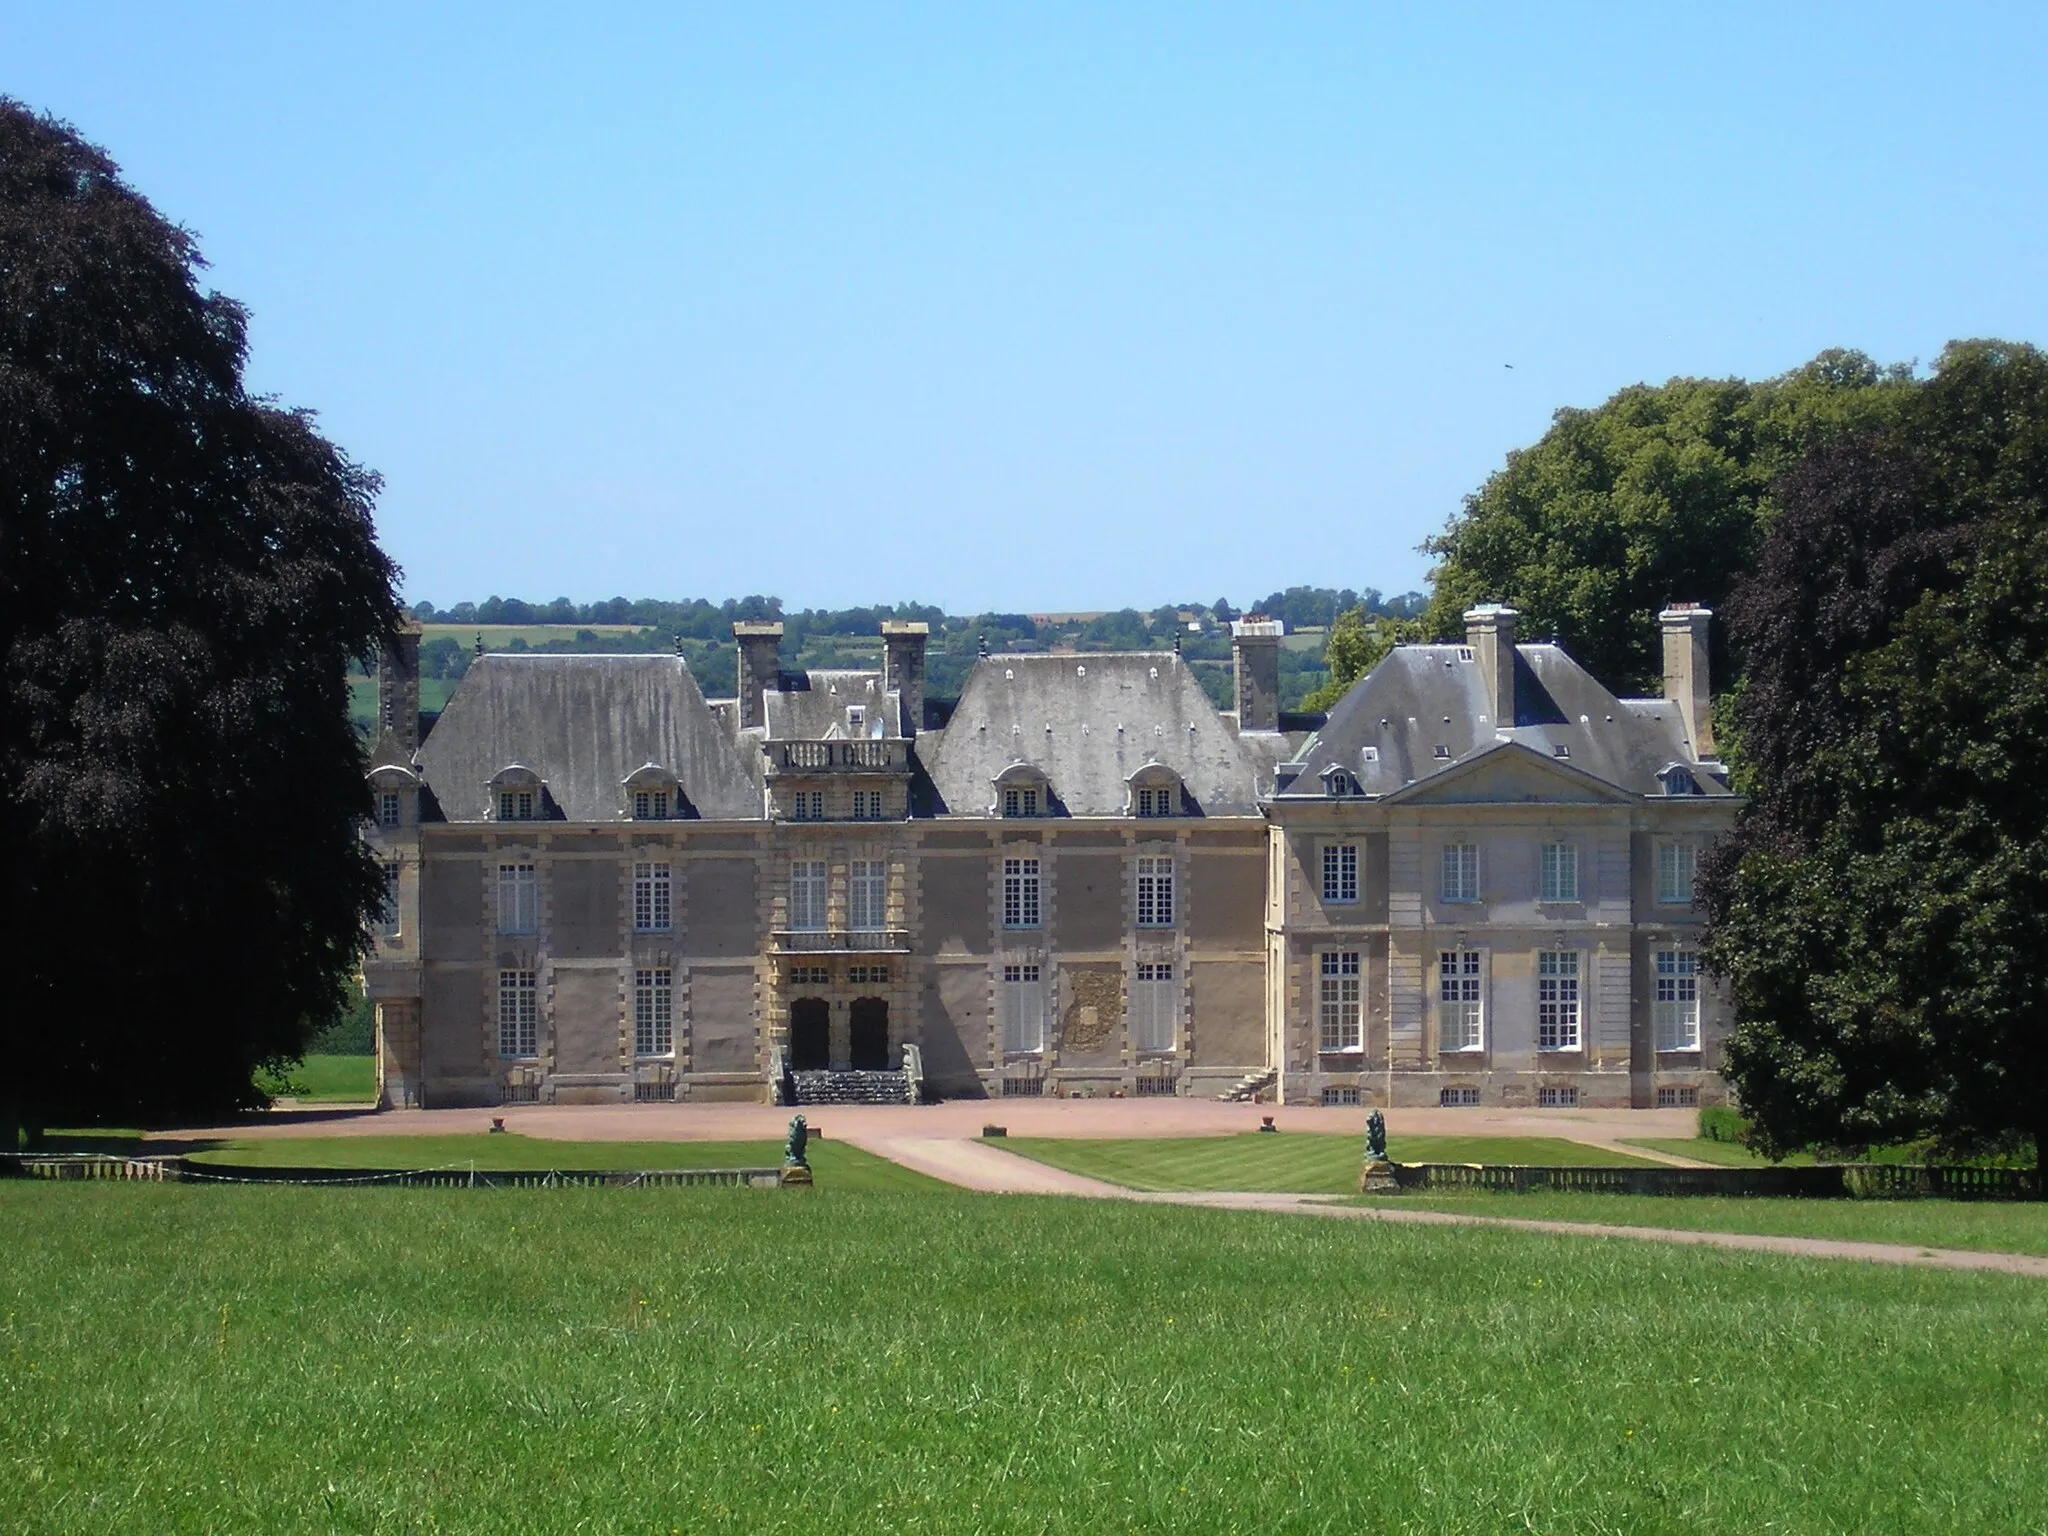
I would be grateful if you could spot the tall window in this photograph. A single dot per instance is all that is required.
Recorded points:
(867, 805)
(1461, 1012)
(1020, 802)
(1155, 1008)
(868, 893)
(1340, 872)
(807, 805)
(1341, 1030)
(652, 909)
(1675, 1013)
(1461, 871)
(387, 914)
(1557, 1000)
(1560, 880)
(1023, 1010)
(650, 805)
(518, 1015)
(1020, 893)
(518, 898)
(1675, 867)
(1155, 802)
(1155, 893)
(807, 894)
(653, 1013)
(388, 813)
(515, 805)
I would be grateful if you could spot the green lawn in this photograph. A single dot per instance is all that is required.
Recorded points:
(2002, 1226)
(1299, 1164)
(1722, 1154)
(335, 1080)
(254, 1360)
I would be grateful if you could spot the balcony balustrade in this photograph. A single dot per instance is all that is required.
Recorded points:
(841, 941)
(888, 755)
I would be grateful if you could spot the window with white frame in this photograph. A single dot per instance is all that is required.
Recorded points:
(856, 719)
(1560, 872)
(1155, 1008)
(1678, 1096)
(387, 911)
(867, 975)
(867, 805)
(1340, 872)
(1559, 1097)
(867, 893)
(1675, 1011)
(1020, 893)
(1461, 871)
(389, 813)
(653, 909)
(1155, 802)
(518, 1015)
(650, 805)
(516, 804)
(1340, 1027)
(1676, 865)
(807, 894)
(518, 898)
(1020, 802)
(1557, 1000)
(1457, 1098)
(1155, 892)
(1023, 1005)
(1461, 1009)
(807, 805)
(1340, 783)
(1335, 1097)
(653, 1013)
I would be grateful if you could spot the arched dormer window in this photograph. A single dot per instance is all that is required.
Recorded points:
(1155, 790)
(1022, 790)
(652, 794)
(394, 790)
(1679, 781)
(1339, 782)
(517, 794)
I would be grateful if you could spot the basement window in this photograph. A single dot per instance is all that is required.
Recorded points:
(1457, 1098)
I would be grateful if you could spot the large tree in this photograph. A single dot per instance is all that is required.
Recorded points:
(185, 572)
(1661, 493)
(1880, 909)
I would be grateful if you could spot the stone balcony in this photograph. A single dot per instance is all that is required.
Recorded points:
(840, 941)
(873, 755)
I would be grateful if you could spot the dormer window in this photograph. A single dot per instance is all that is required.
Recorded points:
(652, 794)
(1341, 783)
(650, 805)
(517, 794)
(390, 809)
(516, 804)
(1679, 782)
(856, 719)
(1156, 802)
(1020, 802)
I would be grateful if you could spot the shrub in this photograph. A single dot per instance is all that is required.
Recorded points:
(1718, 1122)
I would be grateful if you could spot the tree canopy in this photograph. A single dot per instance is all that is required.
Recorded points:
(1660, 494)
(185, 573)
(1879, 910)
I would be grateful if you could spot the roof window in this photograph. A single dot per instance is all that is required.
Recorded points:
(1559, 749)
(1440, 751)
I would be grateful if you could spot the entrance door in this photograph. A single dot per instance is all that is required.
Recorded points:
(869, 1021)
(810, 1035)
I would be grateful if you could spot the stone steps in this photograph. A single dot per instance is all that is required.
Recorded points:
(1249, 1084)
(852, 1088)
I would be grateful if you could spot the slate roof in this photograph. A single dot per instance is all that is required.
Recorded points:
(809, 706)
(1429, 696)
(1088, 721)
(583, 723)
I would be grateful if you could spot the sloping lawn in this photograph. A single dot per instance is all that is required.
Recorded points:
(336, 1080)
(1288, 1162)
(1722, 1154)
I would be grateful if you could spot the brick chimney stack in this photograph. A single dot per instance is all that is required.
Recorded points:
(1490, 632)
(760, 648)
(1686, 680)
(903, 643)
(398, 687)
(1255, 668)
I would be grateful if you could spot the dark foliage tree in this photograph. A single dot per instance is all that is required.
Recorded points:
(1879, 911)
(185, 573)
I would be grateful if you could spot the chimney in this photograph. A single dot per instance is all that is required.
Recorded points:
(903, 644)
(1490, 632)
(760, 645)
(398, 687)
(1255, 657)
(1686, 680)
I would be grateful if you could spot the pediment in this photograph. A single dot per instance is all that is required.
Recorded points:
(1508, 773)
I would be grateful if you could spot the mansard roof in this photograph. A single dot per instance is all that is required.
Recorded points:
(1087, 722)
(1387, 730)
(584, 724)
(810, 706)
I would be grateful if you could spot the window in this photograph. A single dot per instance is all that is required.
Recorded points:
(1023, 1010)
(1020, 893)
(1560, 863)
(1461, 1021)
(867, 805)
(388, 812)
(1341, 783)
(810, 976)
(1678, 1096)
(1340, 999)
(856, 719)
(807, 805)
(518, 898)
(1457, 1098)
(1155, 1010)
(653, 1013)
(1557, 1000)
(1675, 1013)
(867, 975)
(807, 894)
(1675, 867)
(1020, 802)
(1340, 1098)
(868, 893)
(1678, 782)
(1557, 1098)
(1461, 872)
(1155, 802)
(1155, 893)
(652, 911)
(387, 912)
(1340, 872)
(650, 805)
(515, 805)
(518, 1015)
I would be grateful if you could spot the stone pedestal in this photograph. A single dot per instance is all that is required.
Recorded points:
(796, 1175)
(1377, 1178)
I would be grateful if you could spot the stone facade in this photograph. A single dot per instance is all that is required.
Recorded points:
(1087, 881)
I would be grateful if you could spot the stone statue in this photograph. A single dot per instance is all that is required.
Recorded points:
(1376, 1137)
(1377, 1176)
(799, 1137)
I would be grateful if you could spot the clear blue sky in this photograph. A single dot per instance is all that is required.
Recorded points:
(1037, 307)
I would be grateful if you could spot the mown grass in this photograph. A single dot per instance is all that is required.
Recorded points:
(1998, 1226)
(1722, 1154)
(1290, 1162)
(175, 1358)
(332, 1080)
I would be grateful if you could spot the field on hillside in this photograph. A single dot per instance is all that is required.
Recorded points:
(669, 1360)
